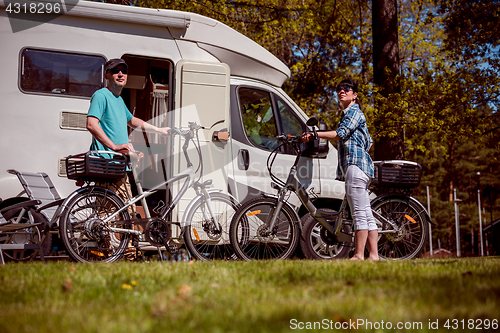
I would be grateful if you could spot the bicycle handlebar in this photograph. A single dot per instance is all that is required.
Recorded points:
(294, 139)
(289, 139)
(186, 134)
(193, 126)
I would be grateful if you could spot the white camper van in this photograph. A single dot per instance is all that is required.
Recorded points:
(182, 67)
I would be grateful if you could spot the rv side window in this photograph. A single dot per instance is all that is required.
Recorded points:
(61, 73)
(258, 117)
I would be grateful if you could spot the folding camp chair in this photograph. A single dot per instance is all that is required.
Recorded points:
(38, 186)
(18, 230)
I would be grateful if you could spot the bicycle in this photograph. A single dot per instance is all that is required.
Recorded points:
(96, 224)
(268, 227)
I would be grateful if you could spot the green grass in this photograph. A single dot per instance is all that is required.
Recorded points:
(246, 296)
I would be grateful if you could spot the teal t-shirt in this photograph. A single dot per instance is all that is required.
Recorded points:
(113, 117)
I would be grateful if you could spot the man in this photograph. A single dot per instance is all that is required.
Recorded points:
(108, 116)
(107, 121)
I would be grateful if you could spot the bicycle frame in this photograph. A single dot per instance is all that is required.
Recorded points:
(293, 183)
(189, 174)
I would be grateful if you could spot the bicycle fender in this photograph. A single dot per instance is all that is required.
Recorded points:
(194, 201)
(410, 199)
(273, 196)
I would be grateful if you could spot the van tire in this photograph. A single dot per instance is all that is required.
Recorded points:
(313, 247)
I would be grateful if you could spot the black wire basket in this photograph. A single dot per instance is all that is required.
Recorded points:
(397, 174)
(88, 167)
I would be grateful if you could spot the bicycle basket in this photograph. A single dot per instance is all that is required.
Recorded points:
(85, 166)
(397, 174)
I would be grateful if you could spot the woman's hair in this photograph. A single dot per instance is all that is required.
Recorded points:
(353, 85)
(350, 83)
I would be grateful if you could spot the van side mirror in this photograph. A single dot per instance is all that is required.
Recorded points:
(317, 148)
(312, 121)
(323, 146)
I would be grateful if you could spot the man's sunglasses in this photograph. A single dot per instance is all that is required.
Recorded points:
(344, 88)
(118, 70)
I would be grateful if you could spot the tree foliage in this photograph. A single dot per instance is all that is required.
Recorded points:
(320, 41)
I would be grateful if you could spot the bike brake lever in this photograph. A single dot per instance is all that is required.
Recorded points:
(281, 137)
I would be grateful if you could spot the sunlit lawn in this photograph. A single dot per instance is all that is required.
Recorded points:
(248, 296)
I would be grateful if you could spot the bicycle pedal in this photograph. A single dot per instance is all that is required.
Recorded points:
(139, 255)
(172, 248)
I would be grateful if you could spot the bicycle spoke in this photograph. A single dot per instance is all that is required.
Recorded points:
(409, 227)
(206, 239)
(86, 236)
(252, 237)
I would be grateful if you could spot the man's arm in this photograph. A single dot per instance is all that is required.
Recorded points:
(146, 127)
(95, 129)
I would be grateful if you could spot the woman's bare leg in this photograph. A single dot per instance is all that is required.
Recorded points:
(372, 244)
(360, 237)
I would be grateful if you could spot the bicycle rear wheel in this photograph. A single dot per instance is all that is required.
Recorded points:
(85, 235)
(411, 229)
(251, 237)
(201, 236)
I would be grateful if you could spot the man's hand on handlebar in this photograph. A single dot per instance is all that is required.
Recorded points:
(136, 155)
(165, 131)
(124, 148)
(127, 149)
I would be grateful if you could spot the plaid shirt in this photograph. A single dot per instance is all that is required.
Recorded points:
(354, 142)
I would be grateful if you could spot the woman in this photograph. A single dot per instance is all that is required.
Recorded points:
(355, 167)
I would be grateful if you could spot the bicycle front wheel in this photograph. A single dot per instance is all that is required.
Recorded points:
(204, 239)
(251, 237)
(405, 239)
(85, 234)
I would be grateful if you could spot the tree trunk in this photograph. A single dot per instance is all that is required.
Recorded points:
(385, 44)
(385, 70)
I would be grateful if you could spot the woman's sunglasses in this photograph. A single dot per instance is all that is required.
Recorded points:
(118, 70)
(344, 88)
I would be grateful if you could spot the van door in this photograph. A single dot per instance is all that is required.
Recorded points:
(202, 96)
(258, 117)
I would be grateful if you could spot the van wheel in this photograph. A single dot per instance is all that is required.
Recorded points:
(313, 245)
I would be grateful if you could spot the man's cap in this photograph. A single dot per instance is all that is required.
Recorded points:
(112, 63)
